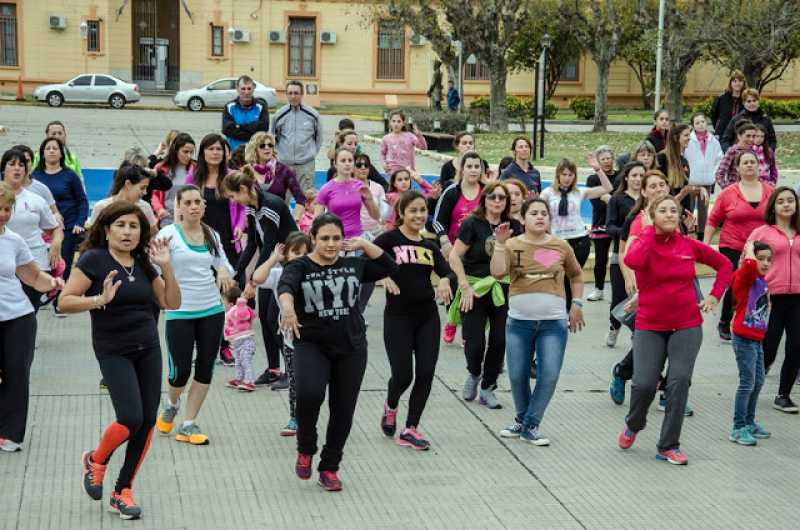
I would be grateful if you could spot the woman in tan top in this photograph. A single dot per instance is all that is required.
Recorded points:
(536, 263)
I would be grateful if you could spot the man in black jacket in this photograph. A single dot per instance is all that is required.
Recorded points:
(752, 113)
(245, 115)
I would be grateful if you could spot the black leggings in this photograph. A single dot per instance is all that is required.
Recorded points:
(17, 339)
(784, 316)
(410, 338)
(340, 370)
(134, 384)
(581, 246)
(601, 249)
(726, 313)
(182, 335)
(268, 312)
(618, 294)
(480, 358)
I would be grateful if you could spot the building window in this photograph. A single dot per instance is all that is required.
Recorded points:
(93, 36)
(476, 72)
(302, 47)
(8, 35)
(569, 72)
(217, 41)
(391, 51)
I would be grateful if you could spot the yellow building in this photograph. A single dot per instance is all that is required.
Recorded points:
(178, 44)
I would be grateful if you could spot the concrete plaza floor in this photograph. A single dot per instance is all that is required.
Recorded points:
(471, 478)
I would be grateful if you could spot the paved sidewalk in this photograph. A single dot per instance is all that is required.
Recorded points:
(470, 478)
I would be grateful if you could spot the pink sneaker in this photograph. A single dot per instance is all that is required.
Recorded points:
(449, 333)
(389, 421)
(626, 438)
(329, 481)
(246, 387)
(410, 437)
(233, 383)
(303, 466)
(673, 456)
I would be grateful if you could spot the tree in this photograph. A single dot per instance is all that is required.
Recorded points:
(759, 37)
(596, 25)
(638, 47)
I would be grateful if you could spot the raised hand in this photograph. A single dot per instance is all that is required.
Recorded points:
(159, 251)
(110, 288)
(503, 232)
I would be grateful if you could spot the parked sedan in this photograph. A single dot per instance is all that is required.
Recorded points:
(90, 88)
(217, 93)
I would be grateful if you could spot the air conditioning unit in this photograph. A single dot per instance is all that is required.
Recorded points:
(327, 37)
(417, 40)
(240, 35)
(277, 37)
(58, 22)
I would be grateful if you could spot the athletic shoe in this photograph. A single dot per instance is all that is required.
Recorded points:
(489, 400)
(389, 421)
(166, 421)
(617, 387)
(8, 446)
(626, 438)
(724, 333)
(742, 436)
(233, 383)
(611, 337)
(246, 387)
(282, 383)
(512, 431)
(449, 333)
(533, 436)
(123, 504)
(290, 429)
(595, 295)
(662, 406)
(673, 456)
(785, 404)
(103, 385)
(471, 387)
(410, 437)
(757, 431)
(92, 475)
(267, 378)
(303, 466)
(191, 434)
(329, 481)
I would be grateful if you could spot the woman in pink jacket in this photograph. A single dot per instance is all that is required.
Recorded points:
(664, 262)
(782, 233)
(397, 147)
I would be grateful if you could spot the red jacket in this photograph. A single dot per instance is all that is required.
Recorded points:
(739, 218)
(665, 276)
(783, 276)
(750, 292)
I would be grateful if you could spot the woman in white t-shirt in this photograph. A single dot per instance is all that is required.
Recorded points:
(196, 251)
(17, 324)
(130, 184)
(564, 198)
(32, 219)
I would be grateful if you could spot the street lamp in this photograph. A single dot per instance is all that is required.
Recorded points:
(539, 96)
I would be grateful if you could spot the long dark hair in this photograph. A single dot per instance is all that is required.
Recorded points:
(622, 187)
(768, 155)
(208, 232)
(373, 175)
(769, 213)
(127, 172)
(641, 201)
(480, 210)
(201, 171)
(676, 177)
(171, 161)
(44, 143)
(97, 233)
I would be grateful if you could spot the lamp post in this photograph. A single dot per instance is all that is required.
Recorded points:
(659, 54)
(540, 96)
(460, 46)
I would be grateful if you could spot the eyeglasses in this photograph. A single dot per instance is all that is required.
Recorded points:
(362, 165)
(264, 146)
(496, 197)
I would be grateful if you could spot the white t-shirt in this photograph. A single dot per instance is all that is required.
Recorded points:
(570, 226)
(42, 191)
(100, 205)
(192, 265)
(30, 217)
(537, 306)
(13, 253)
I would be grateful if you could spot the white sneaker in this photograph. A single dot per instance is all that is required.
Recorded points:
(611, 338)
(9, 446)
(595, 295)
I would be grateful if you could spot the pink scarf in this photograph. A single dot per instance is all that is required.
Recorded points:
(763, 165)
(703, 139)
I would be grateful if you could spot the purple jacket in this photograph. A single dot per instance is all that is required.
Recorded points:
(280, 178)
(238, 216)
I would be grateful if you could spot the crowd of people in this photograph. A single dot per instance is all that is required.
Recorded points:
(204, 231)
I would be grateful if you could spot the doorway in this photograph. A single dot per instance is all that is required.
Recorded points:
(156, 44)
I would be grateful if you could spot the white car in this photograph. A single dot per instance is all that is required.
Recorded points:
(89, 88)
(217, 93)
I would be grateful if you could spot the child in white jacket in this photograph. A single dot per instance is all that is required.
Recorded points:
(704, 154)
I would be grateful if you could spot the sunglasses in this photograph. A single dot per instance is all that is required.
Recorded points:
(362, 165)
(496, 197)
(264, 146)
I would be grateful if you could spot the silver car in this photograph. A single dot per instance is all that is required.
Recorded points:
(90, 88)
(217, 93)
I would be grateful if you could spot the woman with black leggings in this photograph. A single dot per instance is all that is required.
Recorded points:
(196, 253)
(116, 281)
(411, 324)
(318, 295)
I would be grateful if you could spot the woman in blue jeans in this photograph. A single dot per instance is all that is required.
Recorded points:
(536, 263)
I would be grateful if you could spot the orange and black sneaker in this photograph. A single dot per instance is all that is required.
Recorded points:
(166, 421)
(123, 504)
(191, 434)
(92, 476)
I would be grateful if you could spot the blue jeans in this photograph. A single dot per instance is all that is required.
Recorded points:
(550, 339)
(750, 360)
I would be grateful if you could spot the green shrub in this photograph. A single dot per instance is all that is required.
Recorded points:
(583, 108)
(704, 107)
(520, 110)
(780, 109)
(449, 122)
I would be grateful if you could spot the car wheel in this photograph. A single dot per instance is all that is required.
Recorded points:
(117, 101)
(195, 104)
(55, 99)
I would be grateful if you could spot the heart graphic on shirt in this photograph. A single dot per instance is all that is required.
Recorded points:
(546, 256)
